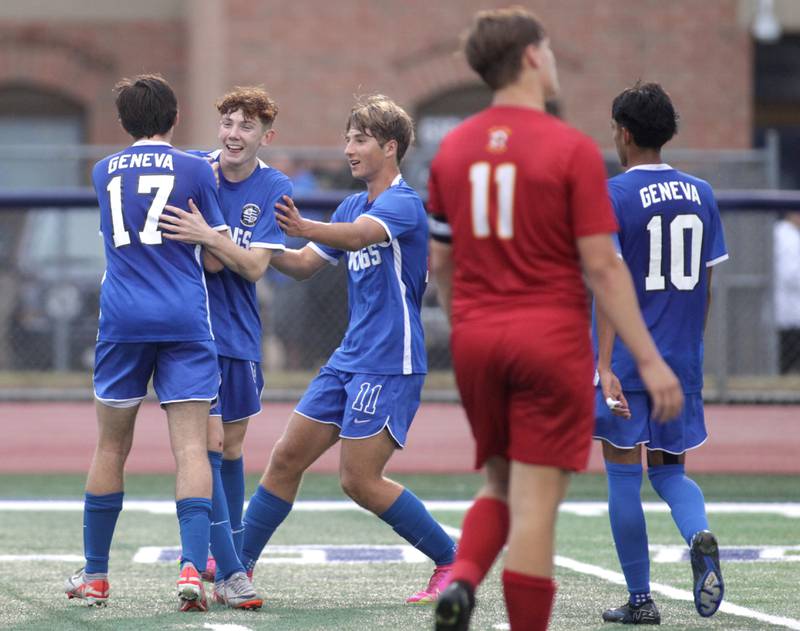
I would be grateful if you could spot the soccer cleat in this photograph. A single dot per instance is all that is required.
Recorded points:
(211, 570)
(646, 613)
(237, 592)
(708, 585)
(454, 607)
(217, 594)
(437, 582)
(190, 590)
(94, 591)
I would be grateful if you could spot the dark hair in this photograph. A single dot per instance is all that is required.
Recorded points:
(646, 111)
(496, 40)
(254, 101)
(378, 116)
(146, 105)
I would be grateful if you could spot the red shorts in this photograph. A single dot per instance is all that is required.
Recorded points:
(526, 385)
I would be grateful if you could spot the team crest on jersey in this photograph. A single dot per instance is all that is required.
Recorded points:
(250, 214)
(498, 139)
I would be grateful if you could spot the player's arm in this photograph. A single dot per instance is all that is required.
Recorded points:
(191, 227)
(441, 254)
(299, 264)
(211, 263)
(611, 283)
(340, 235)
(609, 382)
(710, 271)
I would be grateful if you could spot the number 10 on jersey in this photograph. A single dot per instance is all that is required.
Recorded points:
(480, 177)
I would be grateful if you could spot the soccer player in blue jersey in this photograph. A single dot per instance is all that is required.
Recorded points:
(154, 322)
(248, 191)
(671, 238)
(368, 392)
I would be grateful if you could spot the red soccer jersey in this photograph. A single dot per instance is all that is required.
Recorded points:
(518, 187)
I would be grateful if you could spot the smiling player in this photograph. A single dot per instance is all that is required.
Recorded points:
(248, 191)
(368, 392)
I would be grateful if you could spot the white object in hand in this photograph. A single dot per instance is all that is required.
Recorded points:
(613, 403)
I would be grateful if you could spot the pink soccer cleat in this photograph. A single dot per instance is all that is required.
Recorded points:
(439, 580)
(190, 590)
(93, 591)
(211, 570)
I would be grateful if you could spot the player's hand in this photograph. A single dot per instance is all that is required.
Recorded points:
(664, 390)
(613, 395)
(289, 218)
(186, 226)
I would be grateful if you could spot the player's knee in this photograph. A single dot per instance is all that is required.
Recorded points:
(214, 444)
(356, 487)
(232, 447)
(188, 453)
(284, 461)
(231, 452)
(114, 450)
(233, 440)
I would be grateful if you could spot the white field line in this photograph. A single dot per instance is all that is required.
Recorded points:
(225, 627)
(583, 509)
(786, 509)
(674, 593)
(67, 558)
(670, 592)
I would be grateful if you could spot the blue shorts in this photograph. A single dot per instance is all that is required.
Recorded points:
(181, 371)
(240, 390)
(685, 432)
(363, 405)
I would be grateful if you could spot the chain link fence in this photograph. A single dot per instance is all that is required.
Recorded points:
(51, 264)
(52, 261)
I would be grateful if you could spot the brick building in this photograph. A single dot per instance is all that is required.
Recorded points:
(61, 58)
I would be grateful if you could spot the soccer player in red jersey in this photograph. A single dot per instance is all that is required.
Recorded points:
(519, 214)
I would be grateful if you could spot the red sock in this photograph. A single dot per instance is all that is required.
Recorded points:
(483, 536)
(529, 600)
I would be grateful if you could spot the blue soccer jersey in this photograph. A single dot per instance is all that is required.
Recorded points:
(153, 289)
(670, 232)
(385, 283)
(249, 210)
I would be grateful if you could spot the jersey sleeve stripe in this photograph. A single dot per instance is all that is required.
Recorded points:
(398, 270)
(717, 260)
(382, 223)
(439, 229)
(268, 246)
(319, 251)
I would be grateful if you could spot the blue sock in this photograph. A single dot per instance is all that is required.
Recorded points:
(411, 520)
(233, 483)
(628, 526)
(264, 514)
(684, 497)
(221, 539)
(100, 514)
(194, 517)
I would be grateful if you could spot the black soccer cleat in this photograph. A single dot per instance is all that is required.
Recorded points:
(454, 607)
(708, 585)
(646, 613)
